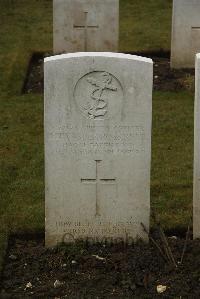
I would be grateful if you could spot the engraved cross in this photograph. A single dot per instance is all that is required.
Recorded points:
(98, 182)
(85, 26)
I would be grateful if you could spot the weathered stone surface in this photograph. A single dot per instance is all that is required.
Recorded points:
(185, 33)
(196, 189)
(85, 25)
(97, 146)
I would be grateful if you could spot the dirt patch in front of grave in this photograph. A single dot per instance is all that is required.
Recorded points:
(165, 79)
(98, 271)
(34, 81)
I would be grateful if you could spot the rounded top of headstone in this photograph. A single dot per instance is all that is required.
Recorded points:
(98, 54)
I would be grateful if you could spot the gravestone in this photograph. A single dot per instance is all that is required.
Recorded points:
(97, 147)
(196, 187)
(185, 33)
(85, 25)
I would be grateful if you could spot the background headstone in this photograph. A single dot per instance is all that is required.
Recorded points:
(98, 109)
(185, 33)
(196, 189)
(85, 25)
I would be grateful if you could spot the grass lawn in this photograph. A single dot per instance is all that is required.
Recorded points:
(26, 27)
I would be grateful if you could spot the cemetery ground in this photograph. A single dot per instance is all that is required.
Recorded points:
(26, 28)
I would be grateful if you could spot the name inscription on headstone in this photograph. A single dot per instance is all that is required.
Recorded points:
(124, 139)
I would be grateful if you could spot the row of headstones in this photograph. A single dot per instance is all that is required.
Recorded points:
(98, 130)
(92, 26)
(98, 109)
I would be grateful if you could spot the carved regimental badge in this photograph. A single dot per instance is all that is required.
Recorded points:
(98, 95)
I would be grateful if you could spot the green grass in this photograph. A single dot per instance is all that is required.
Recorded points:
(26, 27)
(172, 158)
(145, 25)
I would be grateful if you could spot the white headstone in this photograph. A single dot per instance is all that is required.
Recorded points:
(196, 188)
(185, 33)
(98, 109)
(85, 25)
